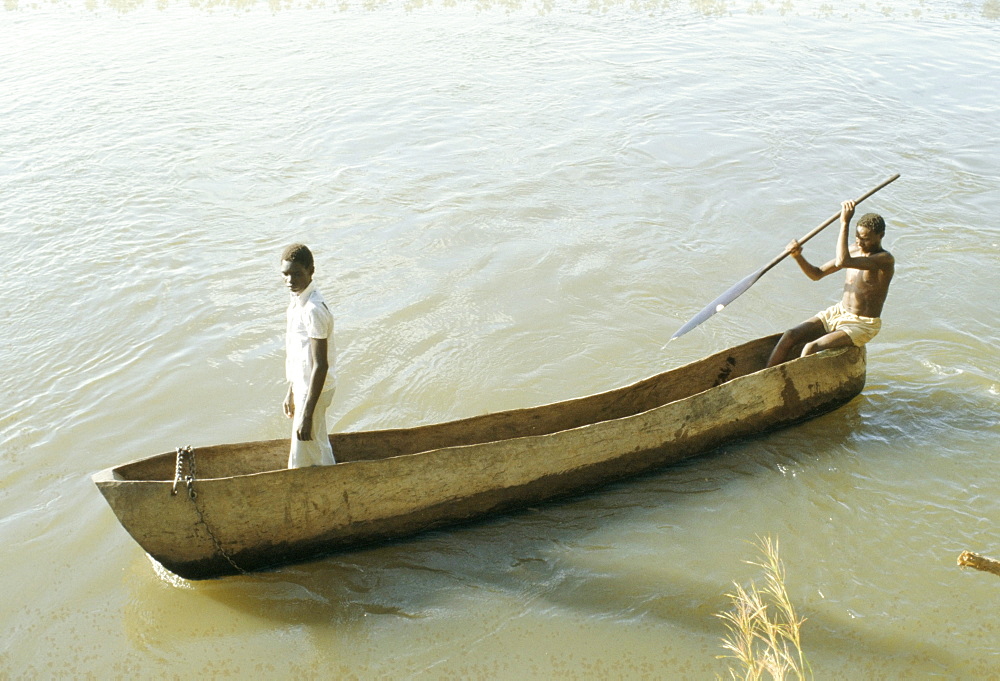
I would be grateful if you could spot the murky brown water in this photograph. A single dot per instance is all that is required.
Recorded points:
(511, 204)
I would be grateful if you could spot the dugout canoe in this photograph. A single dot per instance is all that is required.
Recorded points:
(233, 508)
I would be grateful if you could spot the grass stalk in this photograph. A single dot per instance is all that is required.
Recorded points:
(763, 629)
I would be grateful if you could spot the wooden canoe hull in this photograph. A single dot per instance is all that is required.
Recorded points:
(249, 513)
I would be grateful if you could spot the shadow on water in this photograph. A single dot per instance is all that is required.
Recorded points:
(573, 554)
(546, 554)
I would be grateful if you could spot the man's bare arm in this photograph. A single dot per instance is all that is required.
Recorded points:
(815, 273)
(843, 247)
(875, 261)
(320, 366)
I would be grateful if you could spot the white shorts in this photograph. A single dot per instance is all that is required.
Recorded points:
(859, 329)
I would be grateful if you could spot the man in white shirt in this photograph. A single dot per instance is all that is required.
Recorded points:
(309, 361)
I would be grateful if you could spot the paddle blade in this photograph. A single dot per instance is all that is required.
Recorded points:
(717, 305)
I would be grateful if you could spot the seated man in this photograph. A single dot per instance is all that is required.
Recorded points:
(855, 319)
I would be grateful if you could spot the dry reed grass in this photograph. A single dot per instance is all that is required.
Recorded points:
(763, 627)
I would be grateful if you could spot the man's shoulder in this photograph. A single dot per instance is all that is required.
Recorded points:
(887, 257)
(316, 303)
(882, 257)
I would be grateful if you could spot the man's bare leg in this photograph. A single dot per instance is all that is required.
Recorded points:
(806, 332)
(834, 339)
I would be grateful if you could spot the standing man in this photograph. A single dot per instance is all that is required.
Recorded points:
(309, 361)
(856, 318)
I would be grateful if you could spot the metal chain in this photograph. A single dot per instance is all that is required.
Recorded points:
(179, 467)
(189, 479)
(186, 455)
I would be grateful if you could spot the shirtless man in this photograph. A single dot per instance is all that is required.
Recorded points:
(855, 319)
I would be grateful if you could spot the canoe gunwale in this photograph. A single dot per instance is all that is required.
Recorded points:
(116, 473)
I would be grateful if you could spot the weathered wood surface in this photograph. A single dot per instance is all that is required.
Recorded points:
(250, 513)
(974, 560)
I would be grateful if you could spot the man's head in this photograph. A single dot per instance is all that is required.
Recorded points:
(870, 230)
(297, 267)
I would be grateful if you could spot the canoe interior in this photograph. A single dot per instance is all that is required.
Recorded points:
(256, 457)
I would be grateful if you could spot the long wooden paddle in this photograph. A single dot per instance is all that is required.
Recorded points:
(738, 288)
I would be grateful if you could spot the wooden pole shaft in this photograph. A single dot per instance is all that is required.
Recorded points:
(827, 223)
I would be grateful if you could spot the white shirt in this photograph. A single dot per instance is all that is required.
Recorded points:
(308, 317)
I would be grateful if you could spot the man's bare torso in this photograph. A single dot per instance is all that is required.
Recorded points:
(865, 291)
